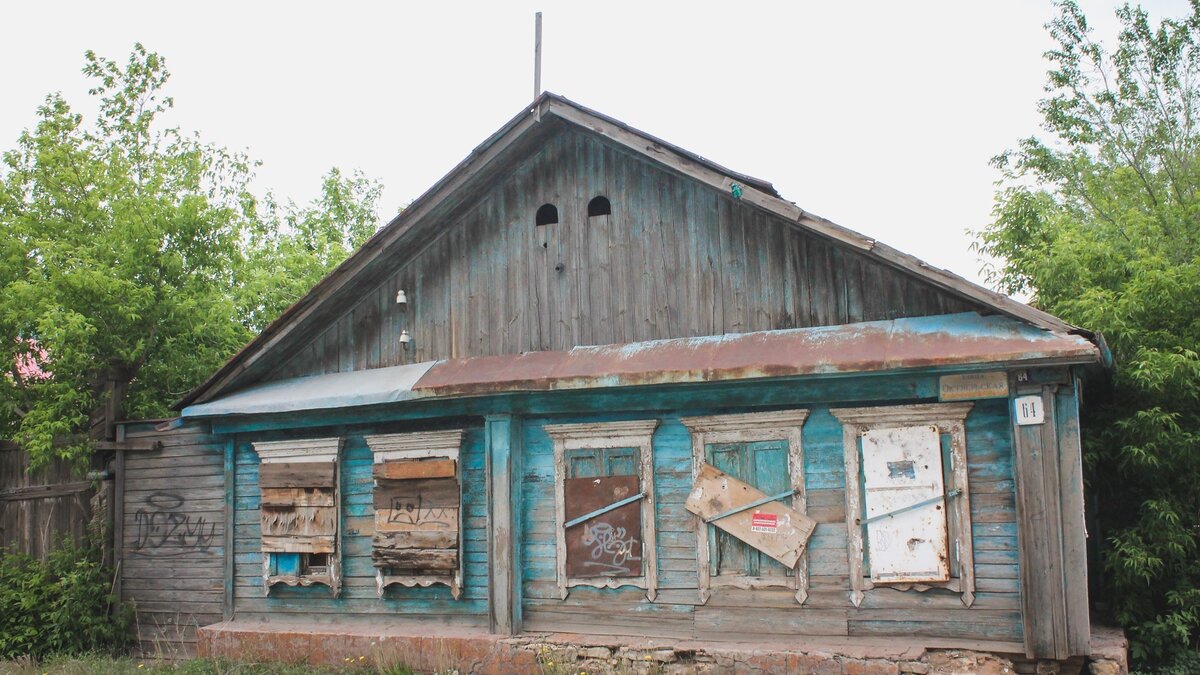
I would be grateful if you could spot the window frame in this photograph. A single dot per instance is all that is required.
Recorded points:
(636, 434)
(950, 419)
(784, 425)
(309, 450)
(421, 445)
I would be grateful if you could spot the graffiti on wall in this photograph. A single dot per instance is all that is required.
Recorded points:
(164, 528)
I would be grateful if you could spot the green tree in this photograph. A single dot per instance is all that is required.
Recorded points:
(1099, 223)
(132, 257)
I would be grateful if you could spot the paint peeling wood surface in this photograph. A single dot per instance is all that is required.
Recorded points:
(716, 493)
(172, 533)
(491, 282)
(359, 599)
(936, 616)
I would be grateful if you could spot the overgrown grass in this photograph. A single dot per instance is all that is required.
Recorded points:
(98, 664)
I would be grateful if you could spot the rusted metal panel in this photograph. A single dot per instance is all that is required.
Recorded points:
(609, 544)
(958, 340)
(902, 467)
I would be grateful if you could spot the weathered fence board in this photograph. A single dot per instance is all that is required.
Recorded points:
(39, 510)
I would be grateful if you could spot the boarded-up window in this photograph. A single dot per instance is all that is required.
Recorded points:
(604, 505)
(908, 513)
(418, 510)
(764, 465)
(609, 543)
(299, 515)
(905, 501)
(749, 503)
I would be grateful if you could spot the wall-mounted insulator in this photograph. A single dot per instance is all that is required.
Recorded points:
(405, 338)
(401, 298)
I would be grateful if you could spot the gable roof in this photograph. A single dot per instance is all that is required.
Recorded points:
(520, 134)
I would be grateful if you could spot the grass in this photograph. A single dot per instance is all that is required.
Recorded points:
(104, 665)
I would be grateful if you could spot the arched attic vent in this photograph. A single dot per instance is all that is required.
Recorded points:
(599, 206)
(547, 214)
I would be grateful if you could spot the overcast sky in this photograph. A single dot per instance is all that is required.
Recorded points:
(879, 116)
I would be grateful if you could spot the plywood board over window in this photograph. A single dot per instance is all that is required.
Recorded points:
(604, 505)
(418, 510)
(299, 512)
(908, 507)
(764, 453)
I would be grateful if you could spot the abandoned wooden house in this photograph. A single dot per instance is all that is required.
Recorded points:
(592, 383)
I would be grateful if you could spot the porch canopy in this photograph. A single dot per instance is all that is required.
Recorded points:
(957, 341)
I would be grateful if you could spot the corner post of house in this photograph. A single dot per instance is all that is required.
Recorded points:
(1049, 492)
(503, 460)
(230, 512)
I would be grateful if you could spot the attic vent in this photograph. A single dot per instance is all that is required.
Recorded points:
(547, 214)
(599, 206)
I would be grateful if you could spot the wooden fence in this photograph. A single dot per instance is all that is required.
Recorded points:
(38, 510)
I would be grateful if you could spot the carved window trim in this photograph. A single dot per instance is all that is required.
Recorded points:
(601, 435)
(422, 445)
(783, 425)
(950, 419)
(314, 450)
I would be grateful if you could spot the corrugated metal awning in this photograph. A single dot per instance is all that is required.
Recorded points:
(318, 392)
(956, 340)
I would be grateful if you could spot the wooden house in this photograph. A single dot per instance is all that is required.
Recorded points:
(592, 383)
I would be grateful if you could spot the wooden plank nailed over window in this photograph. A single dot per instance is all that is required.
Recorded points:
(297, 475)
(289, 497)
(777, 530)
(429, 468)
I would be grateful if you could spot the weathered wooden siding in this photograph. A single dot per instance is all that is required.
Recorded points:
(729, 614)
(38, 510)
(172, 534)
(358, 600)
(674, 259)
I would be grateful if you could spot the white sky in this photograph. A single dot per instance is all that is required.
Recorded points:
(881, 116)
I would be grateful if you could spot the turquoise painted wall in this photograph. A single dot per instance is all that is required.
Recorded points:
(359, 596)
(730, 614)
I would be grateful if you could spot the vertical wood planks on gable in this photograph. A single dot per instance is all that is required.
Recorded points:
(674, 259)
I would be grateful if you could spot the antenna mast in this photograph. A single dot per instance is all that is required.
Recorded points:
(537, 56)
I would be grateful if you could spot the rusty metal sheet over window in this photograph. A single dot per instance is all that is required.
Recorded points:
(902, 467)
(610, 544)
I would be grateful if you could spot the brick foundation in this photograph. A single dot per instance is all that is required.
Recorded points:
(466, 651)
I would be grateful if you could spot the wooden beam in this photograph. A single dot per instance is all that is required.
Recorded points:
(230, 488)
(44, 491)
(502, 434)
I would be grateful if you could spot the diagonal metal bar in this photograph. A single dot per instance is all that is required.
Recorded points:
(743, 507)
(604, 509)
(905, 509)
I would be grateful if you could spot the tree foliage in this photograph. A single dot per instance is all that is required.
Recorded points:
(135, 259)
(1099, 223)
